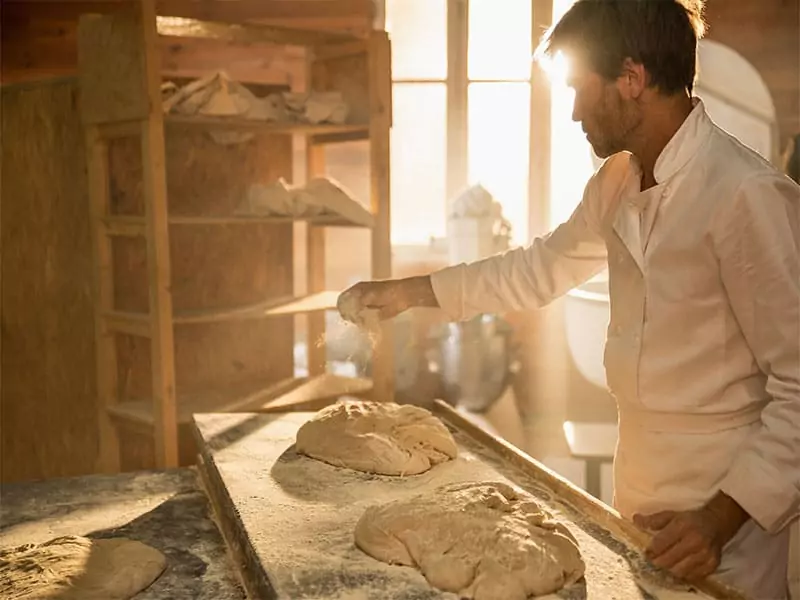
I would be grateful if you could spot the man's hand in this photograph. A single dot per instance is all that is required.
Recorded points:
(689, 543)
(386, 299)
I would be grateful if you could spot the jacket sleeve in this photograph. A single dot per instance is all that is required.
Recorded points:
(527, 277)
(760, 265)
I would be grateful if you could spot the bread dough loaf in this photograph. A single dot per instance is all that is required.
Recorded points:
(78, 568)
(485, 541)
(377, 437)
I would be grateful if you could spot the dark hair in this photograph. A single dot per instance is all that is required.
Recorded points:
(661, 35)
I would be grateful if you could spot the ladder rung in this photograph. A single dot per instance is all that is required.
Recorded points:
(125, 226)
(137, 324)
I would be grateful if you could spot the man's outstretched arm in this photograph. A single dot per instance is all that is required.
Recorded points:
(523, 278)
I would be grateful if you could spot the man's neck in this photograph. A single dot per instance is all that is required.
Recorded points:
(663, 118)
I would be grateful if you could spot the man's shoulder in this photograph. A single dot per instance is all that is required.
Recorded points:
(731, 160)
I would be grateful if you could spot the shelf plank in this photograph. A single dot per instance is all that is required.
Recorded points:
(317, 221)
(133, 226)
(272, 308)
(303, 393)
(317, 302)
(247, 33)
(135, 324)
(338, 137)
(138, 323)
(125, 226)
(266, 127)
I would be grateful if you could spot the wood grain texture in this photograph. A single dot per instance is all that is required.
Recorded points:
(49, 423)
(213, 266)
(111, 53)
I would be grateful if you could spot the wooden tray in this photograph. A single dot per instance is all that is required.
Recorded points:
(289, 520)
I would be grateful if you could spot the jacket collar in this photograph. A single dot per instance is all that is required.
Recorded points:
(681, 148)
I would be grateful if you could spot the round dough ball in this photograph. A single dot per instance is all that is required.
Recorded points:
(79, 568)
(484, 541)
(377, 437)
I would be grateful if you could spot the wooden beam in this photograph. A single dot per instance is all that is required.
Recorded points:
(457, 94)
(539, 165)
(380, 100)
(247, 33)
(43, 49)
(162, 346)
(353, 16)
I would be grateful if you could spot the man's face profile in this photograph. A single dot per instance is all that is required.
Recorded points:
(606, 109)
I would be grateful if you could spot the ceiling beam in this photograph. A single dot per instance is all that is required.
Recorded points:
(351, 16)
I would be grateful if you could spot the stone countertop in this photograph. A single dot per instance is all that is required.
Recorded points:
(164, 509)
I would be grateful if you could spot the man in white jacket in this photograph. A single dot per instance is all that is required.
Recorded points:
(701, 237)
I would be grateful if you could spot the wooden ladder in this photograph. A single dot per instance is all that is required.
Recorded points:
(120, 96)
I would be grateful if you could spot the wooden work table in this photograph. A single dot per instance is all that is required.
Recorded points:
(166, 510)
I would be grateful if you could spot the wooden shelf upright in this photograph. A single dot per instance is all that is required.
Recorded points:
(120, 95)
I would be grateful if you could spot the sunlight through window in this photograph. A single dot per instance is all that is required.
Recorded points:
(499, 144)
(571, 163)
(499, 69)
(418, 30)
(418, 163)
(499, 39)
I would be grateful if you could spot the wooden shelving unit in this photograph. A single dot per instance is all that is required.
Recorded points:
(120, 97)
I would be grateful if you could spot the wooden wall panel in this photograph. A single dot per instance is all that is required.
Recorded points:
(766, 33)
(49, 425)
(48, 420)
(213, 266)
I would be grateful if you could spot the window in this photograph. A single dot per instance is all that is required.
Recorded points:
(497, 96)
(418, 30)
(499, 40)
(419, 169)
(499, 140)
(498, 105)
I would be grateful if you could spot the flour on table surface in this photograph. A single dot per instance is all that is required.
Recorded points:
(300, 515)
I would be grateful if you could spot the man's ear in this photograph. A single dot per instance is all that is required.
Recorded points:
(632, 80)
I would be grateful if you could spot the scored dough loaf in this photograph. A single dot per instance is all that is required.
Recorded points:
(377, 437)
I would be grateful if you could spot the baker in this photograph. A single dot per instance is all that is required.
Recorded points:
(701, 238)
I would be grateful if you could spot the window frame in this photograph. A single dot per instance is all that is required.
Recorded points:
(457, 82)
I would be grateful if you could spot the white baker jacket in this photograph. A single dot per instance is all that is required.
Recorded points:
(703, 346)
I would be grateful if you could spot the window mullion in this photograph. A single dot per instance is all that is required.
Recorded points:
(457, 84)
(539, 188)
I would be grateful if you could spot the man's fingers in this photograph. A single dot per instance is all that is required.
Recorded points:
(654, 522)
(689, 566)
(674, 554)
(704, 569)
(666, 538)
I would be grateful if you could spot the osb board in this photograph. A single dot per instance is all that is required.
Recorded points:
(349, 75)
(290, 519)
(49, 425)
(213, 266)
(111, 59)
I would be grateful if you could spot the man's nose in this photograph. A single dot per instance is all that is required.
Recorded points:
(576, 113)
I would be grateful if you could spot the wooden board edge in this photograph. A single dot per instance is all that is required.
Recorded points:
(246, 563)
(603, 515)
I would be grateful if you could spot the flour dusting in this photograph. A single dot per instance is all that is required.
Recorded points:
(299, 515)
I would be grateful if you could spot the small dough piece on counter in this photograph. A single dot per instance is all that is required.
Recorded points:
(377, 437)
(485, 541)
(79, 568)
